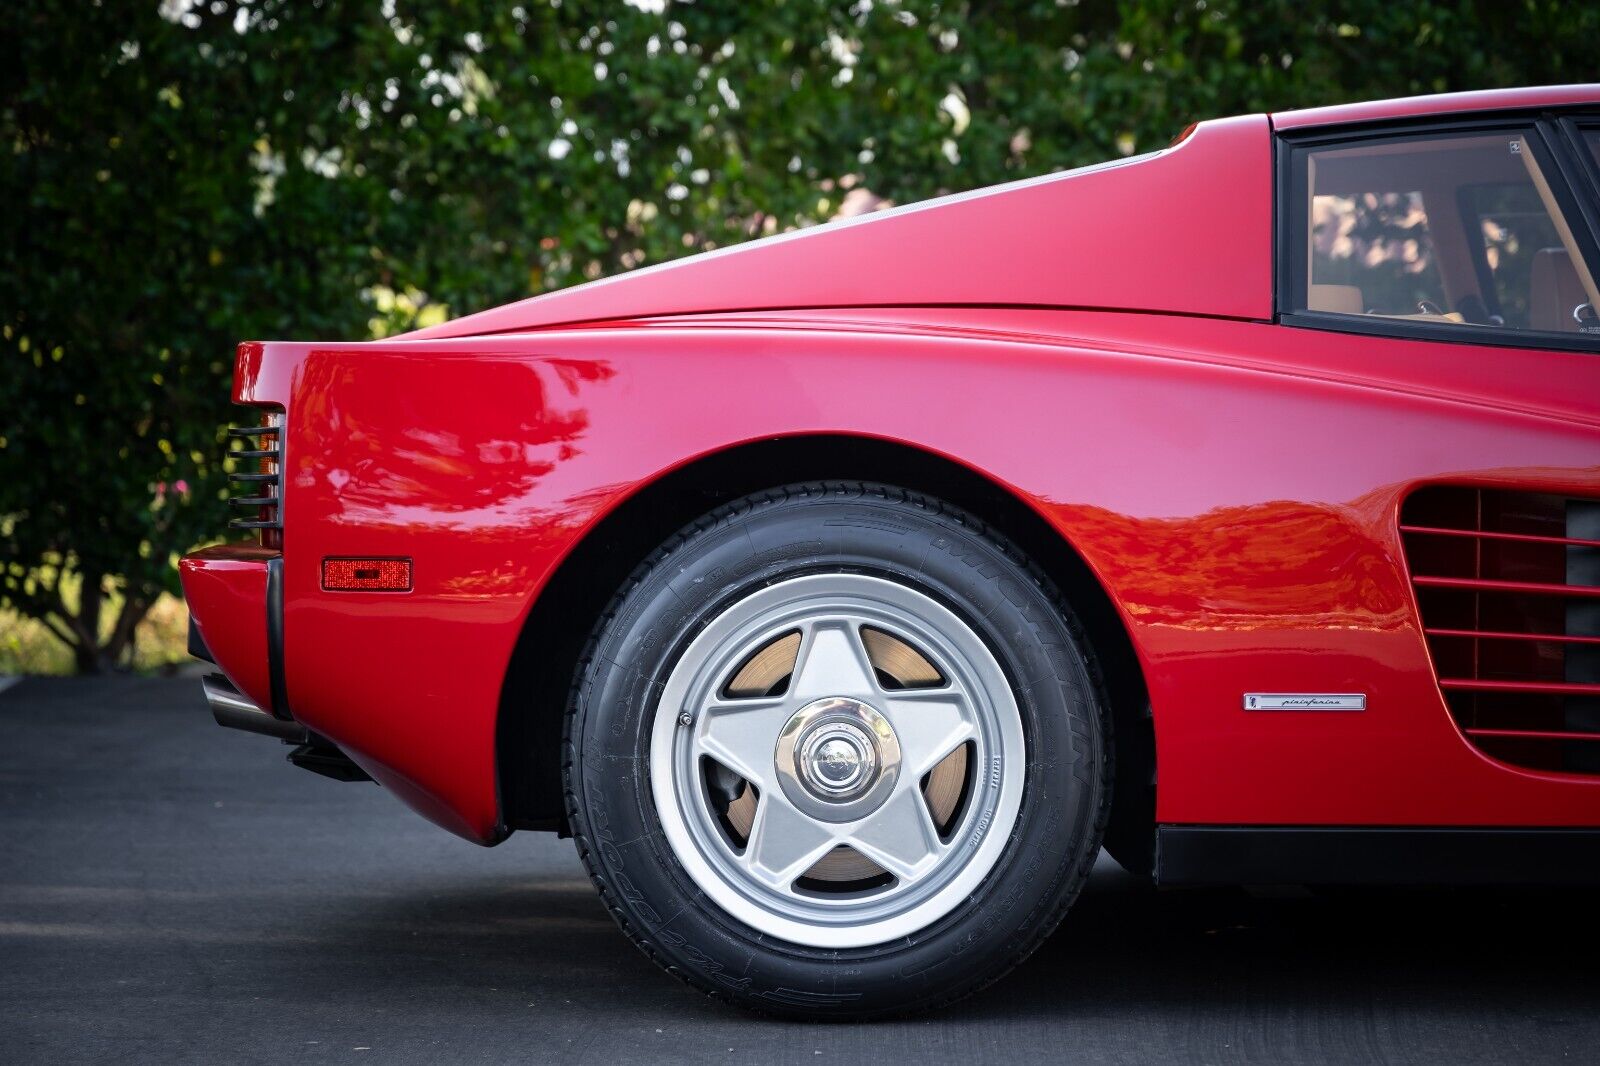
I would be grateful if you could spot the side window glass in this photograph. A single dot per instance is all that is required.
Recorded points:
(1372, 253)
(1452, 229)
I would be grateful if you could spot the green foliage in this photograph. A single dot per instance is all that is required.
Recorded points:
(180, 176)
(159, 646)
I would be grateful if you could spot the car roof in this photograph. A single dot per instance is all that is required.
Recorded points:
(1438, 104)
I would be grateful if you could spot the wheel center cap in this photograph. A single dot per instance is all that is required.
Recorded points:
(837, 759)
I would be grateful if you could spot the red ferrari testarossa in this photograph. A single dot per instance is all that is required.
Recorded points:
(1236, 506)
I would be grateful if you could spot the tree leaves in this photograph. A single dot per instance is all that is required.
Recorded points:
(184, 175)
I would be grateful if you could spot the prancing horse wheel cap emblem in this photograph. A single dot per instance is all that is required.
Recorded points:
(837, 759)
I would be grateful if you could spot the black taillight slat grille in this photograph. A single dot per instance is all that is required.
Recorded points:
(1509, 588)
(258, 480)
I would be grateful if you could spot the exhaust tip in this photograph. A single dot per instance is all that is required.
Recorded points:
(235, 710)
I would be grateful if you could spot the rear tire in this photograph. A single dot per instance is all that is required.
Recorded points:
(892, 768)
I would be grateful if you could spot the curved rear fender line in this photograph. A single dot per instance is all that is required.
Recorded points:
(560, 614)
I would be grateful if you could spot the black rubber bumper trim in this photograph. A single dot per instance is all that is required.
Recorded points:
(1283, 855)
(197, 643)
(280, 697)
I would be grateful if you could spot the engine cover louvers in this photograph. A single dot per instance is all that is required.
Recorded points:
(1508, 584)
(257, 477)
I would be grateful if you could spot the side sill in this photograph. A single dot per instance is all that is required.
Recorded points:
(1377, 855)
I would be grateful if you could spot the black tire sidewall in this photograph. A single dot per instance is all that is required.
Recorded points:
(822, 529)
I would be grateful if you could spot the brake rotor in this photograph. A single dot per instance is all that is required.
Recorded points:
(905, 665)
(764, 671)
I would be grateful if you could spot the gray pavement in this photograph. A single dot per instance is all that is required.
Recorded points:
(172, 892)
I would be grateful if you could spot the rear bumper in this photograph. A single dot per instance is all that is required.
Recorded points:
(235, 596)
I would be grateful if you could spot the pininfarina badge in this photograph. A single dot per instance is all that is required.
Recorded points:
(1305, 701)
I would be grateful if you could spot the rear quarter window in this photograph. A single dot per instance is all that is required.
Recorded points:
(1456, 229)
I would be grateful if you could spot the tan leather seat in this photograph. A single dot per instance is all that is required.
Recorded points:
(1553, 291)
(1337, 299)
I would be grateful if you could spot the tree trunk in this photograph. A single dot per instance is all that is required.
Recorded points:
(91, 594)
(123, 633)
(89, 654)
(85, 625)
(89, 659)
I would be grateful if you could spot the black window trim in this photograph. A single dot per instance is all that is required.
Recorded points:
(1554, 138)
(1584, 163)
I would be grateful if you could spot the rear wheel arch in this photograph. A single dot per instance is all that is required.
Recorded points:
(534, 695)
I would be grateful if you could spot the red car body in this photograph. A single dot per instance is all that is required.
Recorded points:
(1232, 478)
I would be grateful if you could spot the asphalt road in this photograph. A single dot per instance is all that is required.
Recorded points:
(173, 892)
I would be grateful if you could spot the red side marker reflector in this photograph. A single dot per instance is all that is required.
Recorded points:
(366, 575)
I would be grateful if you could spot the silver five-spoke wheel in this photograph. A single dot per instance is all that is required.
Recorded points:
(837, 749)
(837, 760)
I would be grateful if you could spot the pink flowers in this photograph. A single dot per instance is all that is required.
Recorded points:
(179, 487)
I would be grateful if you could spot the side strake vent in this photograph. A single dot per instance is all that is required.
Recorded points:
(257, 452)
(1509, 587)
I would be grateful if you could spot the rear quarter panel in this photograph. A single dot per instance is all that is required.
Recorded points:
(1234, 485)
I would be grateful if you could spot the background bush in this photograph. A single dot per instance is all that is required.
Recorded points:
(180, 176)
